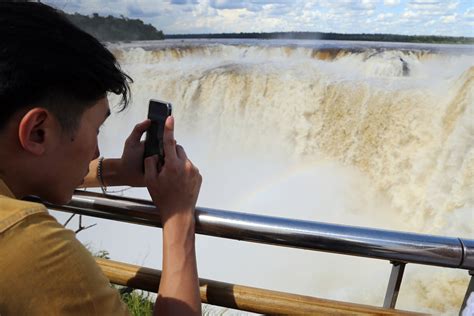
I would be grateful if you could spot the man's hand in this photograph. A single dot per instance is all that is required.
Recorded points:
(174, 189)
(131, 163)
(127, 170)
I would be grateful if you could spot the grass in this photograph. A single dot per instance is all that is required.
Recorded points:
(138, 302)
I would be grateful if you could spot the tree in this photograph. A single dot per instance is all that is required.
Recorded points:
(112, 29)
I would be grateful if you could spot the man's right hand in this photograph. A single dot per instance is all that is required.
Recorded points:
(174, 188)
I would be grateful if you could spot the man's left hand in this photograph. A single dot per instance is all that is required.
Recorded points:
(131, 163)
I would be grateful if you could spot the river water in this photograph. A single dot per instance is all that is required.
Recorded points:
(368, 134)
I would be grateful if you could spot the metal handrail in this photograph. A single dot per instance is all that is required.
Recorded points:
(350, 240)
(397, 247)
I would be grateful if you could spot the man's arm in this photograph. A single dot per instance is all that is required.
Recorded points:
(179, 286)
(111, 174)
(174, 189)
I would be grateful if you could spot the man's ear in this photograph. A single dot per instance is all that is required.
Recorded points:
(33, 129)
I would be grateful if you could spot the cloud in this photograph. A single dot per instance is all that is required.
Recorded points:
(432, 8)
(391, 3)
(137, 11)
(182, 2)
(443, 17)
(453, 5)
(227, 4)
(424, 2)
(384, 17)
(278, 10)
(430, 22)
(250, 5)
(449, 18)
(469, 14)
(351, 4)
(426, 5)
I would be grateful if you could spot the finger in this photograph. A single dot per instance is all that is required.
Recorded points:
(168, 139)
(151, 168)
(138, 131)
(181, 153)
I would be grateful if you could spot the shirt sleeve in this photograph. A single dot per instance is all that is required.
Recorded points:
(47, 271)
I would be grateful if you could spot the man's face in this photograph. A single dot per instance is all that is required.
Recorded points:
(74, 151)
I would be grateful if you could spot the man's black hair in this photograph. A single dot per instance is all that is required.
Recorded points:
(45, 60)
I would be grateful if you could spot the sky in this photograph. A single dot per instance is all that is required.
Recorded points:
(410, 17)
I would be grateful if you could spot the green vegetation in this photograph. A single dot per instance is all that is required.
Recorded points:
(336, 36)
(139, 303)
(113, 29)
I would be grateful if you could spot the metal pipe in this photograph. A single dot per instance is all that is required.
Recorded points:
(394, 284)
(469, 292)
(364, 242)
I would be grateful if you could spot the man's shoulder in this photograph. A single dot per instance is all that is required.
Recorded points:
(13, 211)
(46, 270)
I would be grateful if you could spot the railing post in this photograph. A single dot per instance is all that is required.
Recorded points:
(469, 291)
(394, 284)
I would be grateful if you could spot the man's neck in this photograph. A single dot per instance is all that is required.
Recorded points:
(10, 182)
(13, 174)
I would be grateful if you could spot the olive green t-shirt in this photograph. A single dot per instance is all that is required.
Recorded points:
(44, 269)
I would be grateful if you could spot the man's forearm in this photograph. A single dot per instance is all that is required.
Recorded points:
(110, 173)
(179, 285)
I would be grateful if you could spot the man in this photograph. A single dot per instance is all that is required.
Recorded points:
(54, 81)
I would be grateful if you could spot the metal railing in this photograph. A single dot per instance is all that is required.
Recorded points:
(398, 247)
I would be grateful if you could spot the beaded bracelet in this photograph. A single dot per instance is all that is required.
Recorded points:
(100, 169)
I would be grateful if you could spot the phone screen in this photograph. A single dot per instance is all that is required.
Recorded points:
(158, 111)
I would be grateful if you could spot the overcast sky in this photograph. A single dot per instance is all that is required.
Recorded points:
(412, 17)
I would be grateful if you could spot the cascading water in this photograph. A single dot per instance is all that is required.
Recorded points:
(377, 136)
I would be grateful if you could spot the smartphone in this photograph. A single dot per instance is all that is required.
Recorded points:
(158, 111)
